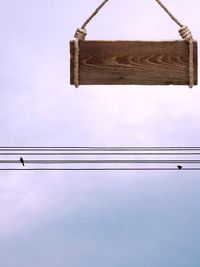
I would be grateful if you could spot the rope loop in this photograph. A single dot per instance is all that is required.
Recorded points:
(80, 34)
(185, 33)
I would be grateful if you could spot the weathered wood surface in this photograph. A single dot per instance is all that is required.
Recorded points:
(134, 62)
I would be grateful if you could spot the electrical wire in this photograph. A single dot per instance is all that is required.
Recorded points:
(97, 153)
(99, 148)
(86, 152)
(99, 169)
(102, 161)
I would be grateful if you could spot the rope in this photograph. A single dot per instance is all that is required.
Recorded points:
(80, 35)
(169, 13)
(186, 35)
(94, 14)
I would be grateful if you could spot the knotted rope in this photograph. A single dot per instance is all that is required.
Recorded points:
(184, 32)
(80, 35)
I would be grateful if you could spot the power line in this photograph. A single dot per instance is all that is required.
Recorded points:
(109, 157)
(102, 161)
(98, 153)
(99, 148)
(99, 169)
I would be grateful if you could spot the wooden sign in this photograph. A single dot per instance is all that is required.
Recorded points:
(133, 62)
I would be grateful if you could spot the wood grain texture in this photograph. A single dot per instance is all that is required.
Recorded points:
(134, 62)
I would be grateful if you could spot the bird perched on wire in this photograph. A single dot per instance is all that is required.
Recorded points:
(179, 167)
(22, 161)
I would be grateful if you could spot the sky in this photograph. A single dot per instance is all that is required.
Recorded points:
(94, 219)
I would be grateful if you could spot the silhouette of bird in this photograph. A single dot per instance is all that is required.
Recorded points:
(22, 161)
(179, 167)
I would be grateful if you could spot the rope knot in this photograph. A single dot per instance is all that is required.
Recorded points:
(185, 33)
(80, 34)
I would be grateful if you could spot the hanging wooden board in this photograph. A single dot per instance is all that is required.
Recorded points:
(133, 62)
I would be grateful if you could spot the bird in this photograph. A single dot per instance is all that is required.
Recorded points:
(179, 167)
(22, 161)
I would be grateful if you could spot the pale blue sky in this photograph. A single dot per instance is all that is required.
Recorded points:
(93, 219)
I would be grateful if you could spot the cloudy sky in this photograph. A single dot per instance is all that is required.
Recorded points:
(93, 219)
